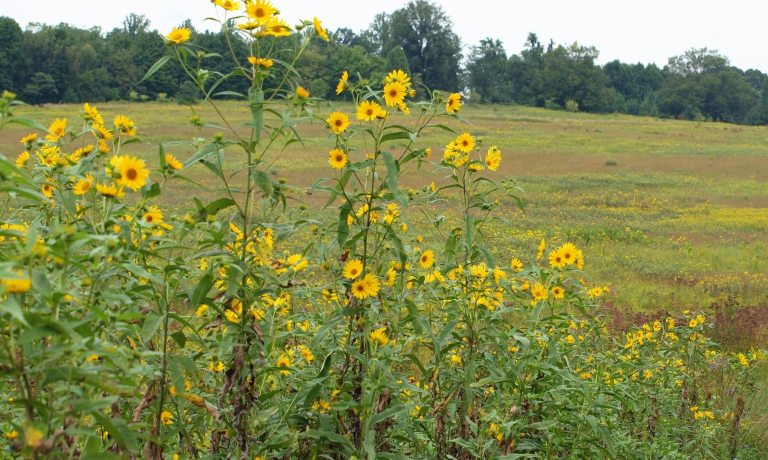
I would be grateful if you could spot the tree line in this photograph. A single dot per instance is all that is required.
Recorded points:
(66, 64)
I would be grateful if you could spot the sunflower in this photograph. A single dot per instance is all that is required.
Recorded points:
(394, 93)
(17, 285)
(337, 159)
(465, 142)
(91, 114)
(399, 76)
(28, 139)
(153, 216)
(260, 11)
(569, 252)
(132, 170)
(352, 269)
(556, 259)
(110, 190)
(260, 62)
(100, 131)
(284, 361)
(322, 33)
(343, 83)
(166, 418)
(229, 5)
(47, 189)
(454, 103)
(22, 159)
(379, 336)
(427, 259)
(558, 292)
(302, 92)
(83, 185)
(178, 35)
(338, 122)
(57, 130)
(275, 28)
(369, 111)
(516, 265)
(493, 158)
(125, 125)
(173, 162)
(539, 292)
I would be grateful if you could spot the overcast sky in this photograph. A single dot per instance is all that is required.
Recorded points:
(631, 31)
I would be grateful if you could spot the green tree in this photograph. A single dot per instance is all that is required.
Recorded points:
(13, 63)
(487, 72)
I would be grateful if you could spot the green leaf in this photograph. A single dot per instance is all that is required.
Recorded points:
(201, 290)
(342, 233)
(155, 67)
(203, 152)
(151, 325)
(392, 172)
(396, 136)
(28, 122)
(11, 307)
(263, 182)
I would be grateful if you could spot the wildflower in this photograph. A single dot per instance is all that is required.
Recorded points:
(297, 262)
(465, 143)
(493, 158)
(28, 139)
(322, 33)
(33, 436)
(16, 285)
(542, 248)
(57, 130)
(260, 11)
(379, 336)
(321, 406)
(568, 252)
(216, 366)
(366, 287)
(22, 159)
(479, 270)
(398, 76)
(394, 93)
(201, 310)
(427, 259)
(229, 5)
(132, 170)
(454, 103)
(337, 159)
(455, 359)
(173, 162)
(125, 125)
(178, 35)
(275, 28)
(260, 62)
(516, 265)
(153, 216)
(343, 82)
(539, 292)
(352, 269)
(100, 131)
(338, 122)
(284, 361)
(166, 418)
(369, 111)
(110, 190)
(47, 189)
(302, 92)
(90, 113)
(558, 292)
(556, 259)
(83, 185)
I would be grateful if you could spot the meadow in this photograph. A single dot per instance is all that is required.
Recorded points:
(675, 211)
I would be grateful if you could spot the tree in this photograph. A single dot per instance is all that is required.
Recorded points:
(696, 61)
(41, 88)
(487, 71)
(13, 67)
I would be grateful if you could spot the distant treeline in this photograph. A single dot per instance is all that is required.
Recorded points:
(66, 64)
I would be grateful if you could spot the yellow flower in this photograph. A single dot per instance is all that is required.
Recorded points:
(102, 132)
(556, 259)
(201, 310)
(166, 418)
(22, 159)
(275, 28)
(47, 190)
(398, 76)
(28, 139)
(570, 253)
(366, 287)
(379, 336)
(91, 114)
(229, 5)
(125, 125)
(110, 190)
(260, 11)
(297, 262)
(337, 159)
(464, 143)
(260, 62)
(338, 122)
(173, 162)
(302, 92)
(558, 292)
(343, 82)
(178, 35)
(322, 33)
(17, 285)
(352, 269)
(216, 366)
(493, 158)
(369, 111)
(454, 103)
(284, 361)
(57, 130)
(321, 406)
(132, 170)
(83, 185)
(539, 292)
(153, 216)
(33, 436)
(516, 265)
(394, 93)
(427, 259)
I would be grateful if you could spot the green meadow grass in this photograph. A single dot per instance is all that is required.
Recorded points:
(670, 214)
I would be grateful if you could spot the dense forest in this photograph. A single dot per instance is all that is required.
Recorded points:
(65, 64)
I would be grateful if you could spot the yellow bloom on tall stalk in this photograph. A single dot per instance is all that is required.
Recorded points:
(22, 159)
(173, 162)
(302, 92)
(493, 158)
(260, 11)
(366, 287)
(427, 258)
(338, 122)
(102, 132)
(276, 27)
(542, 248)
(260, 62)
(132, 170)
(556, 259)
(178, 35)
(337, 159)
(47, 190)
(394, 93)
(28, 139)
(57, 130)
(91, 114)
(558, 292)
(369, 111)
(153, 216)
(229, 5)
(539, 292)
(322, 33)
(125, 125)
(398, 76)
(343, 83)
(352, 269)
(17, 285)
(465, 143)
(110, 190)
(83, 185)
(454, 103)
(166, 418)
(379, 336)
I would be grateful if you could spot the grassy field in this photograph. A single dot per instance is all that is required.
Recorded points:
(670, 214)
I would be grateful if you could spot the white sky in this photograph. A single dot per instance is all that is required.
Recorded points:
(631, 31)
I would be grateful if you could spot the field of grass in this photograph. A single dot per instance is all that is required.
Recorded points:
(670, 214)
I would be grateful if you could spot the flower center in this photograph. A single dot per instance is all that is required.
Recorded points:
(131, 174)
